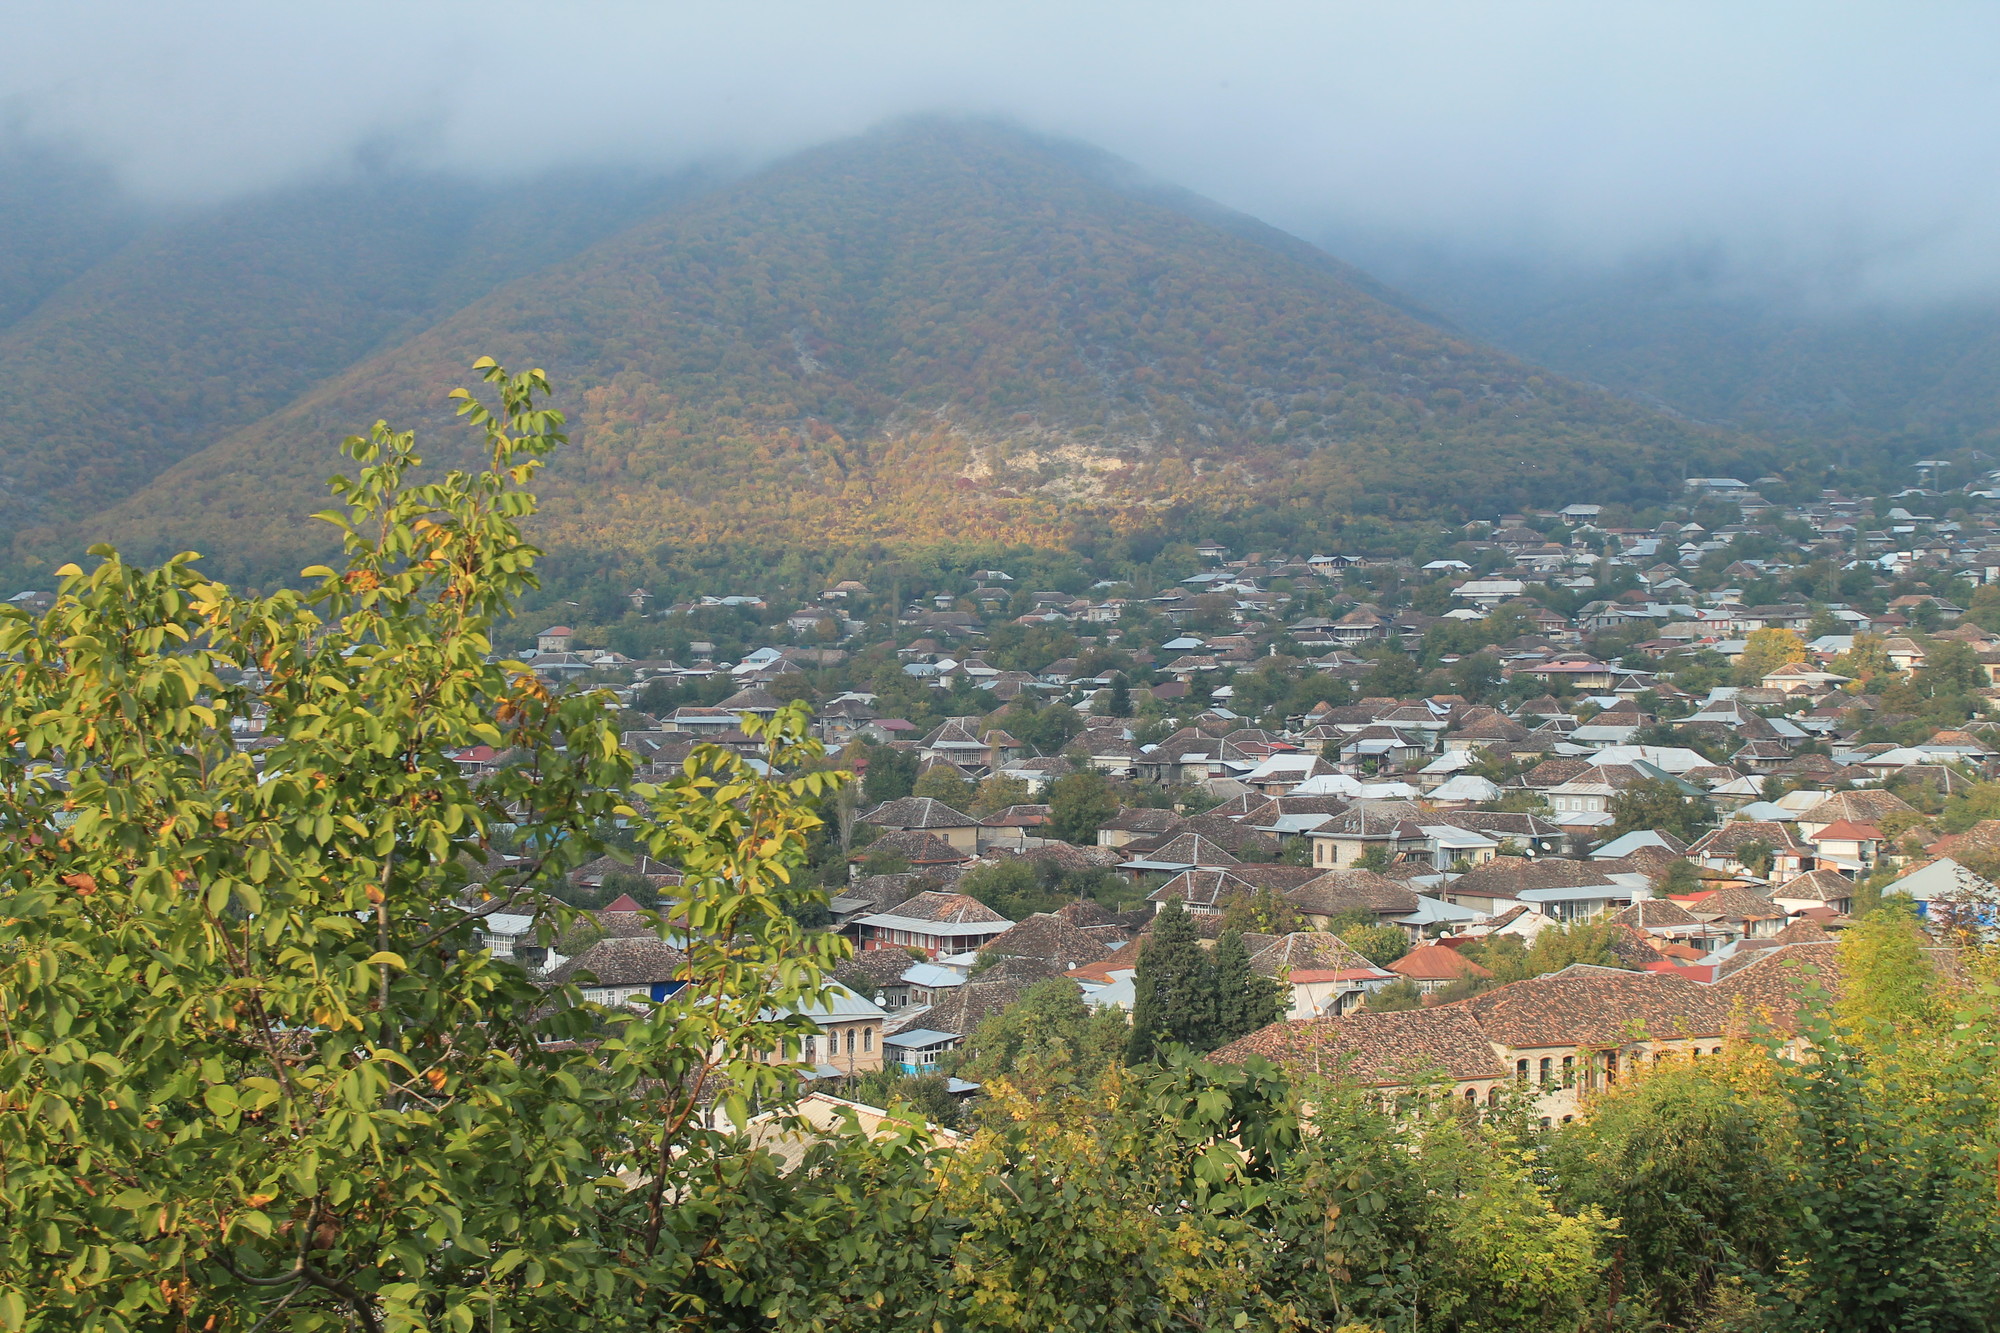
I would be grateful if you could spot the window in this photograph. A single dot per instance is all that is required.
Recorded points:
(1493, 1096)
(868, 1039)
(1521, 1070)
(1569, 1075)
(1718, 1050)
(1472, 1096)
(1548, 1065)
(850, 1041)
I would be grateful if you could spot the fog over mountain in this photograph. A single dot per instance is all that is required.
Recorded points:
(1834, 155)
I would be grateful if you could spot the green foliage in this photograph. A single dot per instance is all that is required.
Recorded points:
(1079, 803)
(1044, 729)
(1244, 1000)
(1373, 858)
(1380, 945)
(891, 773)
(1691, 1158)
(1888, 983)
(996, 793)
(1173, 1003)
(1555, 948)
(1263, 912)
(252, 1055)
(1047, 1040)
(1013, 888)
(1658, 803)
(925, 1094)
(1396, 996)
(1890, 1201)
(940, 783)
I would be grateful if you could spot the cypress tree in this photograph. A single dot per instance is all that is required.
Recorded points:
(1243, 1000)
(1173, 995)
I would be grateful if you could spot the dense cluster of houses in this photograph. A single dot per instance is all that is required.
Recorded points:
(1448, 819)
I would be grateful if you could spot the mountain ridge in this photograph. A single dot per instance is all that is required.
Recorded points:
(949, 330)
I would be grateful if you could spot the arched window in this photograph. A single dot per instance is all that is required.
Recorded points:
(868, 1039)
(1472, 1096)
(1493, 1096)
(850, 1041)
(1569, 1074)
(1547, 1071)
(1521, 1070)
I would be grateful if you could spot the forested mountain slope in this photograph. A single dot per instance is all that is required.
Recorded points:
(133, 343)
(1874, 385)
(946, 331)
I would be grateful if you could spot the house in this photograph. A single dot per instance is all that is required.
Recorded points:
(1334, 893)
(1847, 845)
(918, 1050)
(1945, 890)
(624, 970)
(849, 1040)
(1367, 825)
(936, 923)
(1325, 974)
(554, 639)
(1750, 840)
(1434, 966)
(1822, 888)
(925, 814)
(1134, 823)
(1862, 807)
(1564, 1036)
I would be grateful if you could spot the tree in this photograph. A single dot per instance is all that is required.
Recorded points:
(1380, 945)
(254, 1057)
(892, 773)
(1395, 997)
(1765, 650)
(941, 782)
(1012, 888)
(1393, 676)
(1691, 1160)
(1374, 858)
(1865, 661)
(1048, 1039)
(1659, 803)
(1244, 999)
(1263, 912)
(1079, 803)
(1886, 982)
(996, 794)
(1119, 700)
(1172, 1000)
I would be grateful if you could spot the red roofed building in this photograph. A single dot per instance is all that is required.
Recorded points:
(1433, 967)
(1847, 845)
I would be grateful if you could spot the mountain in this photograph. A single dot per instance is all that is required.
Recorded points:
(136, 341)
(951, 331)
(1872, 385)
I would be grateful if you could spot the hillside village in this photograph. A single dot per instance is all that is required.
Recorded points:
(1691, 754)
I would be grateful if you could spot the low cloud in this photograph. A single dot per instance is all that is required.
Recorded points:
(1849, 148)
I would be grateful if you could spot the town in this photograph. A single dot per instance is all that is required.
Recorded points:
(1670, 763)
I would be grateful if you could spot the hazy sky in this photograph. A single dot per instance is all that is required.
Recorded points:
(1857, 142)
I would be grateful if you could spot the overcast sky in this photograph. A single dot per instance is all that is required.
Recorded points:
(1854, 140)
